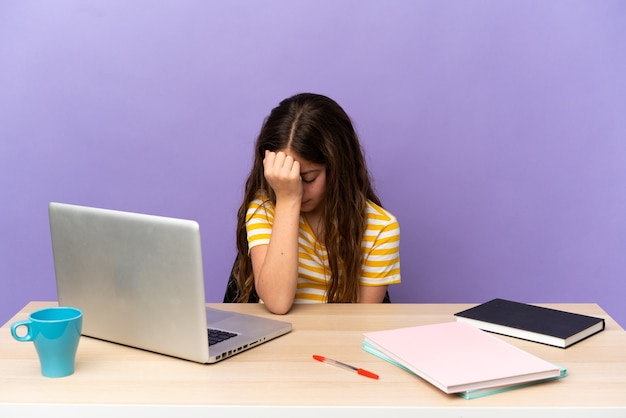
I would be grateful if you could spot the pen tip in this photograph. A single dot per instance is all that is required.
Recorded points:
(367, 373)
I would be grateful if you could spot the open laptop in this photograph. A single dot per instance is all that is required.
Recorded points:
(138, 280)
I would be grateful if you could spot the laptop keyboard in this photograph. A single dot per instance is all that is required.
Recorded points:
(218, 335)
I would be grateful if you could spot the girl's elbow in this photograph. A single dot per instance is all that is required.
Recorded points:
(277, 300)
(278, 306)
(280, 310)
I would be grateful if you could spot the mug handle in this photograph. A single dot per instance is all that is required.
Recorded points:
(28, 336)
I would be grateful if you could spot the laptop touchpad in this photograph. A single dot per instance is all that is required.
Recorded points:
(216, 315)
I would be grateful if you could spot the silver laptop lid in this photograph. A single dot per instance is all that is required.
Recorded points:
(137, 278)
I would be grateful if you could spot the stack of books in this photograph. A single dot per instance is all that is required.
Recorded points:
(460, 359)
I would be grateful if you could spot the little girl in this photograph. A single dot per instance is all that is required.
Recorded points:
(311, 228)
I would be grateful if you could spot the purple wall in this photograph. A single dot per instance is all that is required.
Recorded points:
(495, 130)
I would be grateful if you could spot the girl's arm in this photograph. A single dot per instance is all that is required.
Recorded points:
(372, 294)
(275, 266)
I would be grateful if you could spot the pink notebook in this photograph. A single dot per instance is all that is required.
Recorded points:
(457, 357)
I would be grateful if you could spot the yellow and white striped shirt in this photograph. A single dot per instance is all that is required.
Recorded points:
(381, 250)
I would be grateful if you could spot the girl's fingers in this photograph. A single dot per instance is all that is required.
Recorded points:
(279, 162)
(295, 169)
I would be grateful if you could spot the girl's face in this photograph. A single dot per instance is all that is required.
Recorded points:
(313, 183)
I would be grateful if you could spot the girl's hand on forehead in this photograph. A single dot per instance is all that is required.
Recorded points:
(282, 173)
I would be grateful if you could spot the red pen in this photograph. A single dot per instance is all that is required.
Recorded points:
(360, 371)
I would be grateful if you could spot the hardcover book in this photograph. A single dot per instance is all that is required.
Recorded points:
(529, 322)
(457, 357)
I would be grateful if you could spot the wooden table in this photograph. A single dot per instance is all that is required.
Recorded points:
(280, 378)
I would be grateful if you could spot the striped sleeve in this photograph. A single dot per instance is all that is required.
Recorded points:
(381, 246)
(259, 220)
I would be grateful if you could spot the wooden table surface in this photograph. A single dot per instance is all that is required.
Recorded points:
(280, 378)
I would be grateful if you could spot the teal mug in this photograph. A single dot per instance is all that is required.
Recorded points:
(55, 332)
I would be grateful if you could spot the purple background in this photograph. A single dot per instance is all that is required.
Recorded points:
(495, 130)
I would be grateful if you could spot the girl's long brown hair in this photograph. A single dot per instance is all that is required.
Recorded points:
(317, 129)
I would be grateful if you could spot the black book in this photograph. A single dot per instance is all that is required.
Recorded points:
(530, 322)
